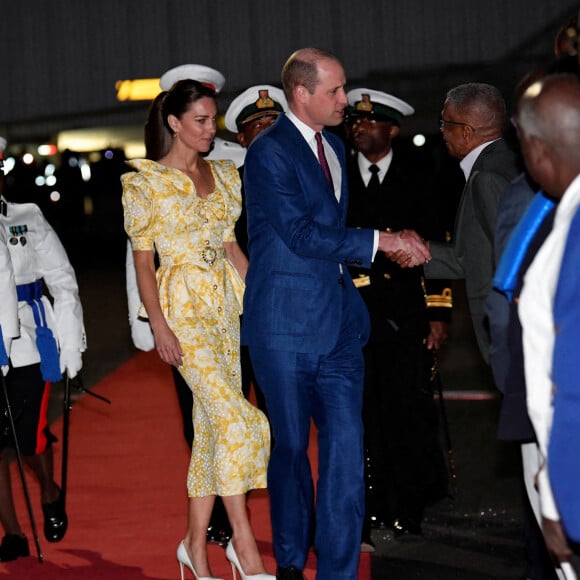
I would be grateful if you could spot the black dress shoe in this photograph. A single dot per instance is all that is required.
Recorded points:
(406, 527)
(13, 546)
(220, 536)
(289, 574)
(55, 520)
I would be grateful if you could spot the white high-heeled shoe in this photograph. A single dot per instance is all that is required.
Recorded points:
(183, 559)
(235, 563)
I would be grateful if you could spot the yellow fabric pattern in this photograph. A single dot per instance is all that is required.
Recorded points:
(201, 295)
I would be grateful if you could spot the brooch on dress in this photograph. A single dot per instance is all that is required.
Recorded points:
(209, 255)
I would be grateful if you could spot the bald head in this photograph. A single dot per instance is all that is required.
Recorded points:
(548, 118)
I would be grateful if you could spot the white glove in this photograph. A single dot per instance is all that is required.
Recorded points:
(142, 335)
(71, 361)
(7, 345)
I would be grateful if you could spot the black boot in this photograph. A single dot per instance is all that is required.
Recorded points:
(13, 546)
(55, 520)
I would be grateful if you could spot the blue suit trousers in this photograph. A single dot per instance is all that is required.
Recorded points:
(300, 388)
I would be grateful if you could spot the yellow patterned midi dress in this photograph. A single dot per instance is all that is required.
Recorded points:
(201, 295)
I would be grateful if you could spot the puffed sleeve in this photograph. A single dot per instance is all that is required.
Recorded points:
(138, 210)
(231, 185)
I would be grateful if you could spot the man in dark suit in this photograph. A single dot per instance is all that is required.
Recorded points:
(472, 123)
(304, 320)
(520, 211)
(405, 467)
(507, 358)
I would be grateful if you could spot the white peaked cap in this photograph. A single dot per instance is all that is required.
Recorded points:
(196, 72)
(250, 105)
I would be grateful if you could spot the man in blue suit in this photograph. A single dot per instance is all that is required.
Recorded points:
(305, 322)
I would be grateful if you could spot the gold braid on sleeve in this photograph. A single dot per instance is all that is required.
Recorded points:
(443, 300)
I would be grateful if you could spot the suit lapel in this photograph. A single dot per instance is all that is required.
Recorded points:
(307, 162)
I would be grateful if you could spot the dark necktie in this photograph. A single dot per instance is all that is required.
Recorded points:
(322, 159)
(374, 184)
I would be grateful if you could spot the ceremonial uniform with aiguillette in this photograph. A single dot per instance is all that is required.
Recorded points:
(405, 465)
(9, 311)
(51, 341)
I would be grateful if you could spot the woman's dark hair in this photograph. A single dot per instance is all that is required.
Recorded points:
(157, 138)
(176, 101)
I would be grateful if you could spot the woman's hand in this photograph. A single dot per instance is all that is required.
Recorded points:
(168, 346)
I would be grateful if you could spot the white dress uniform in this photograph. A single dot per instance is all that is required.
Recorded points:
(38, 257)
(9, 311)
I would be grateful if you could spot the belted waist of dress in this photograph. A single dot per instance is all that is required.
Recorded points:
(204, 256)
(209, 254)
(30, 291)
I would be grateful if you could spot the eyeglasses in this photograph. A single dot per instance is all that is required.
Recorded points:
(443, 122)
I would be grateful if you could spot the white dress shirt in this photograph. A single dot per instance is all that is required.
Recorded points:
(469, 160)
(383, 165)
(335, 169)
(535, 310)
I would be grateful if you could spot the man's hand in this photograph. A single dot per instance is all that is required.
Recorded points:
(438, 335)
(406, 248)
(556, 540)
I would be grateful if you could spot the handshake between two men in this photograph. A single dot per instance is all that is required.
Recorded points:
(406, 248)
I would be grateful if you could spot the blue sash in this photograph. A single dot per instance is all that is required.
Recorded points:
(45, 342)
(506, 275)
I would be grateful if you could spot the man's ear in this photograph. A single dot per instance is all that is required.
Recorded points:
(468, 133)
(241, 138)
(394, 131)
(543, 157)
(300, 93)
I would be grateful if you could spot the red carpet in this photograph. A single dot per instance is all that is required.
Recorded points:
(126, 499)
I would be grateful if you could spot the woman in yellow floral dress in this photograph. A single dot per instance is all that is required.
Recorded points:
(184, 208)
